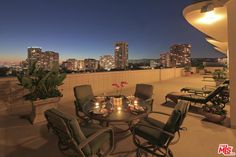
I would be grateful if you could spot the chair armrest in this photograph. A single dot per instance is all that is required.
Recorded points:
(162, 113)
(152, 127)
(150, 101)
(95, 135)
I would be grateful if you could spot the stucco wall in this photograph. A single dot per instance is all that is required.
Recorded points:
(11, 94)
(102, 82)
(231, 7)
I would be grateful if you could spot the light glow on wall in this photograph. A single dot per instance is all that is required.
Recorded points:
(209, 18)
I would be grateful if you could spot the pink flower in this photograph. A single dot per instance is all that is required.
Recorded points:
(116, 85)
(119, 86)
(123, 82)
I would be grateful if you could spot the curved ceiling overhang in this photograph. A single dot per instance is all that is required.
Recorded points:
(212, 23)
(220, 50)
(220, 46)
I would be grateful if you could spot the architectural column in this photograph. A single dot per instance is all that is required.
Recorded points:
(231, 7)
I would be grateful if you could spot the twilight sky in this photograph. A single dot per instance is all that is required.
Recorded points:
(88, 28)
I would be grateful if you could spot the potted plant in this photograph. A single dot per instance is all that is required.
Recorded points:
(43, 90)
(214, 113)
(219, 76)
(187, 70)
(201, 69)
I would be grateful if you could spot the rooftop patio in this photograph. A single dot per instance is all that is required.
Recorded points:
(20, 138)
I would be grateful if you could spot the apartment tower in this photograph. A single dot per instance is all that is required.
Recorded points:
(45, 60)
(121, 55)
(180, 55)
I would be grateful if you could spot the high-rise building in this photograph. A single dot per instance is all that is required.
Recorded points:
(67, 66)
(34, 54)
(70, 64)
(180, 55)
(81, 65)
(73, 64)
(107, 62)
(165, 59)
(24, 64)
(90, 64)
(51, 59)
(121, 55)
(223, 60)
(153, 63)
(44, 60)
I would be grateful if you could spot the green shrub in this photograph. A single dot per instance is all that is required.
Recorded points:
(187, 68)
(41, 84)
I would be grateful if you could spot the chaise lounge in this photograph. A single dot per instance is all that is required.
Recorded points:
(204, 90)
(219, 96)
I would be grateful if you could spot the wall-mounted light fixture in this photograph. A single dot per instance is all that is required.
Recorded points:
(207, 8)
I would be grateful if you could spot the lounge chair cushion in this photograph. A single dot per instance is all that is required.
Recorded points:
(78, 133)
(73, 124)
(153, 135)
(174, 96)
(196, 90)
(143, 91)
(83, 93)
(96, 144)
(183, 107)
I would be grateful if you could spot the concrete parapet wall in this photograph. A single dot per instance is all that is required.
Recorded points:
(12, 95)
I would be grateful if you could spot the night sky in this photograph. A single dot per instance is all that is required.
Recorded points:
(88, 28)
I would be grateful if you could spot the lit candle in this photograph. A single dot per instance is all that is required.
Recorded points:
(135, 102)
(96, 105)
(119, 108)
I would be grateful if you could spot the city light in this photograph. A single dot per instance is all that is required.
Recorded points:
(209, 18)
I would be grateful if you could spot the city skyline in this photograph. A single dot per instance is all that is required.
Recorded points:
(80, 29)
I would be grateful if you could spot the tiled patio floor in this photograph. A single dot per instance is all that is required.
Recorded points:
(18, 138)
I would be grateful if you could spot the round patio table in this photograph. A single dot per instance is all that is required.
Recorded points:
(114, 115)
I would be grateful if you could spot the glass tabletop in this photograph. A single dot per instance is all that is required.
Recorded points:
(115, 109)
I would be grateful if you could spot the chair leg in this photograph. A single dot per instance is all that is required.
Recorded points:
(169, 153)
(62, 147)
(139, 153)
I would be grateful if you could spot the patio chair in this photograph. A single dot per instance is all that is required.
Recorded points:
(86, 141)
(219, 97)
(204, 90)
(83, 94)
(158, 135)
(145, 92)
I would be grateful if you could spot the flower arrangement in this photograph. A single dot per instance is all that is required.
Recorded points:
(119, 86)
